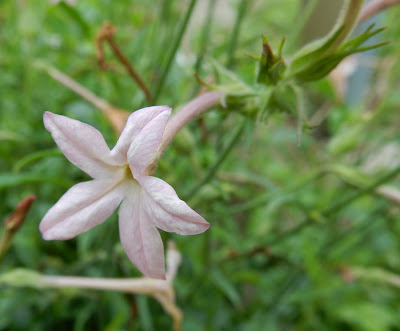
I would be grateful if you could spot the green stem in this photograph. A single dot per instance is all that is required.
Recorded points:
(218, 163)
(338, 206)
(204, 40)
(165, 12)
(300, 111)
(296, 277)
(174, 49)
(235, 34)
(205, 35)
(5, 242)
(304, 17)
(206, 248)
(347, 20)
(262, 200)
(358, 231)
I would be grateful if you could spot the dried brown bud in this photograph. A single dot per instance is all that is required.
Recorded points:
(15, 220)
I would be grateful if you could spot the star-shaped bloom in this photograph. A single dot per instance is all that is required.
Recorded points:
(119, 176)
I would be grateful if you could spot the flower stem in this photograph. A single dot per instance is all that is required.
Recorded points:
(195, 107)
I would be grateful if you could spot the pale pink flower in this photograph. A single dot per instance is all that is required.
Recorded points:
(119, 176)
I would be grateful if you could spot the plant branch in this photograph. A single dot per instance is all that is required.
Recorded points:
(117, 117)
(107, 33)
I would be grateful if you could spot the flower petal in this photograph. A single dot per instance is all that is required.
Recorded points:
(167, 211)
(82, 207)
(146, 143)
(139, 237)
(136, 122)
(82, 144)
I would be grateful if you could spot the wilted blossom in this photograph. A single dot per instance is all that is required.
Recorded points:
(119, 176)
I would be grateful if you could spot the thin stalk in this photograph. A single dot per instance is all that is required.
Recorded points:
(296, 277)
(132, 72)
(175, 46)
(338, 206)
(107, 33)
(235, 33)
(116, 116)
(206, 33)
(300, 111)
(262, 200)
(165, 11)
(212, 171)
(206, 248)
(204, 39)
(359, 231)
(304, 17)
(192, 109)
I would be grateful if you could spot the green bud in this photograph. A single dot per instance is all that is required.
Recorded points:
(270, 66)
(317, 59)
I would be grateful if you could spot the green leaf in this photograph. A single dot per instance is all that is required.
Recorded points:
(144, 313)
(224, 284)
(8, 180)
(35, 157)
(367, 316)
(10, 135)
(76, 16)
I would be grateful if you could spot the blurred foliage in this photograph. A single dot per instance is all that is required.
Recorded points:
(288, 223)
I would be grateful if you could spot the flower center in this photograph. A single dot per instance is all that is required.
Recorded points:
(128, 173)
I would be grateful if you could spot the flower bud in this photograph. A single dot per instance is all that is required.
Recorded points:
(16, 219)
